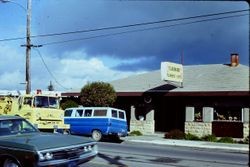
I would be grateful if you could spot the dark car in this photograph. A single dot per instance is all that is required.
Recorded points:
(23, 145)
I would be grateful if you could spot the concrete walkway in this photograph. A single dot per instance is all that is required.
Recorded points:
(159, 139)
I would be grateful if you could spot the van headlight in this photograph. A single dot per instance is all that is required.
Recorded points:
(45, 156)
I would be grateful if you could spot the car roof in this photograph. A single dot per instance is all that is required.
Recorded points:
(7, 117)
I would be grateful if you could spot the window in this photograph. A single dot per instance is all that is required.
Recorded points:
(53, 102)
(15, 126)
(79, 113)
(88, 113)
(225, 113)
(68, 113)
(121, 115)
(100, 113)
(114, 113)
(198, 114)
(46, 102)
(27, 101)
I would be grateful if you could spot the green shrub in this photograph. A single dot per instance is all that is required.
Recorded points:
(190, 136)
(175, 134)
(69, 104)
(211, 138)
(135, 133)
(246, 140)
(226, 140)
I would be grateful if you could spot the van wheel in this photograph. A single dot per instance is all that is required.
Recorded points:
(96, 135)
(10, 163)
(66, 132)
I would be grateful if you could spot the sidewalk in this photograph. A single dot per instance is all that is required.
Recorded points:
(159, 139)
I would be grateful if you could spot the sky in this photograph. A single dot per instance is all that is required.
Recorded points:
(105, 40)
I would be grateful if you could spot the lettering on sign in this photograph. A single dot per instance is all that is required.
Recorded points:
(171, 72)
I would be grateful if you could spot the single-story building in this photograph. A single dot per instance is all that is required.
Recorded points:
(212, 99)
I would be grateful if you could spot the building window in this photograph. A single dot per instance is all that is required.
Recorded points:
(227, 114)
(198, 114)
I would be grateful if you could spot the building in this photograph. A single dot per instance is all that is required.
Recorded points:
(213, 99)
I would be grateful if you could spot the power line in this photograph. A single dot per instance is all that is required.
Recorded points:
(139, 24)
(47, 68)
(139, 30)
(126, 26)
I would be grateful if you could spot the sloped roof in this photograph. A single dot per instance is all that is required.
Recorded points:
(197, 78)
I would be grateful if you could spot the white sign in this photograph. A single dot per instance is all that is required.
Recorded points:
(171, 72)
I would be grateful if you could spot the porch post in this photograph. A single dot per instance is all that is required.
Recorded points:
(208, 114)
(189, 114)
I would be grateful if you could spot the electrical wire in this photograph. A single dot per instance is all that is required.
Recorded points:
(139, 24)
(125, 26)
(138, 30)
(47, 68)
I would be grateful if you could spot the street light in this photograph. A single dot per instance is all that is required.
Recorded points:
(28, 42)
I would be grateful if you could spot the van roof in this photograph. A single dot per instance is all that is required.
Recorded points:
(81, 107)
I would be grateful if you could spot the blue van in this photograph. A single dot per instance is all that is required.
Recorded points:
(96, 121)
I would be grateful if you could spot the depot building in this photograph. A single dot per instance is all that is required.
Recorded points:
(197, 99)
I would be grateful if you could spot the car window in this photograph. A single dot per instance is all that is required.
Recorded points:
(15, 126)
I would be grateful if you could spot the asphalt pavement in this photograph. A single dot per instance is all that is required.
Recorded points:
(159, 139)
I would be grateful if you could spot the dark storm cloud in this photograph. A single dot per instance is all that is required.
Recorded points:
(200, 43)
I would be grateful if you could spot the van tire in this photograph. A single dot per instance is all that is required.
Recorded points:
(96, 135)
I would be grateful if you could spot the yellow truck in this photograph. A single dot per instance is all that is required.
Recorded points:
(43, 111)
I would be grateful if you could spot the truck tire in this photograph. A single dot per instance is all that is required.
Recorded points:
(96, 135)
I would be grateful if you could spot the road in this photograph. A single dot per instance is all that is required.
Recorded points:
(146, 155)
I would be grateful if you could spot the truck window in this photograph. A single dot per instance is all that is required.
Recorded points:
(27, 101)
(121, 115)
(53, 102)
(88, 113)
(100, 113)
(46, 102)
(114, 113)
(41, 101)
(68, 113)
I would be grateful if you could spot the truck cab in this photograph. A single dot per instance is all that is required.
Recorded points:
(41, 110)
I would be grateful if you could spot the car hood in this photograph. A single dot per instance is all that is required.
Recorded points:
(42, 141)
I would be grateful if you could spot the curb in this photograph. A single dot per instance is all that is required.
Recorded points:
(243, 148)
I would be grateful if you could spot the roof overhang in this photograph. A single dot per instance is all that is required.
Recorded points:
(164, 93)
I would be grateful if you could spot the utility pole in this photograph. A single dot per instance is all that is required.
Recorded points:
(28, 48)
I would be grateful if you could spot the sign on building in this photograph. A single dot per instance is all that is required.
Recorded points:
(171, 72)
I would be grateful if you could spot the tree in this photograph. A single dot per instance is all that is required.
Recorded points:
(69, 104)
(98, 94)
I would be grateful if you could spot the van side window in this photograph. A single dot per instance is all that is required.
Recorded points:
(79, 113)
(100, 113)
(114, 113)
(68, 113)
(88, 113)
(121, 115)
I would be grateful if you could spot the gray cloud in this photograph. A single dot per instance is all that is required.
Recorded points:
(206, 42)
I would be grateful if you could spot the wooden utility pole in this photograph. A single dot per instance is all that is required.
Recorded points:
(28, 48)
